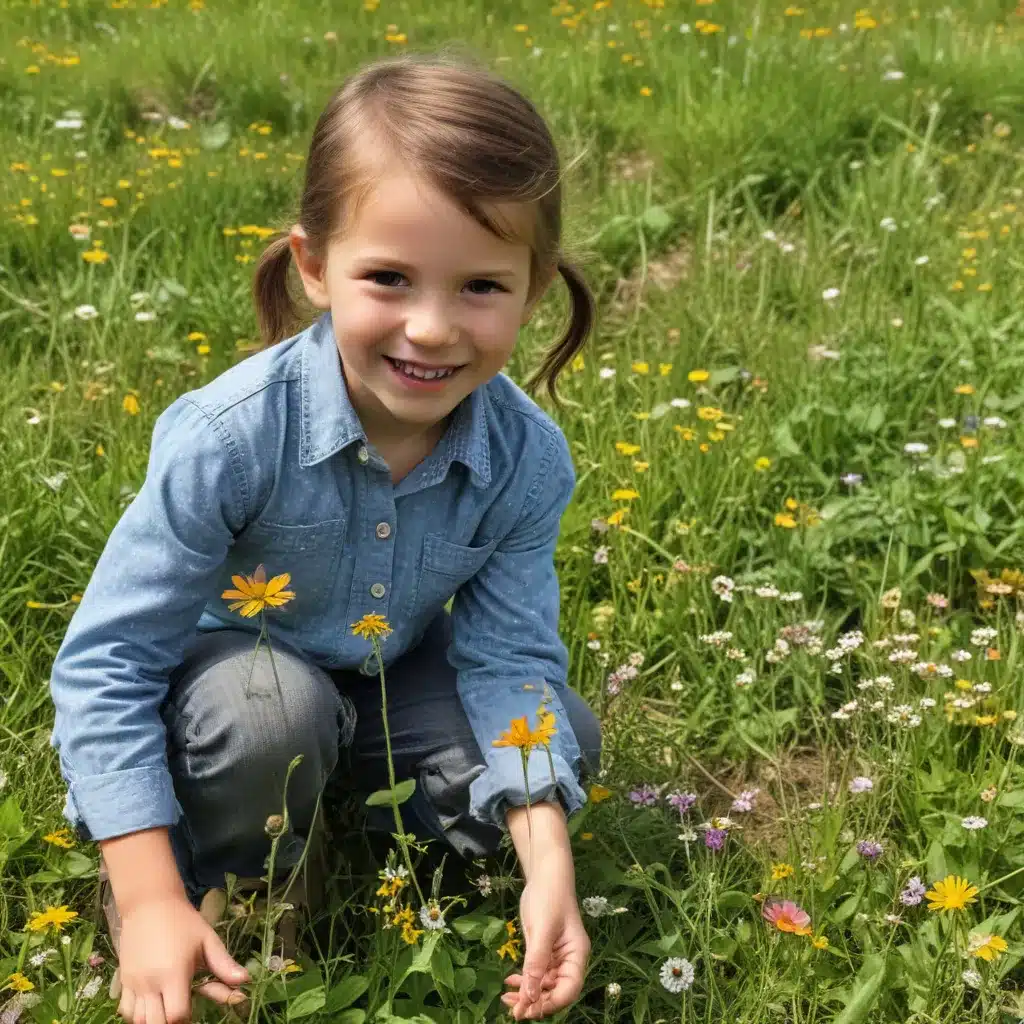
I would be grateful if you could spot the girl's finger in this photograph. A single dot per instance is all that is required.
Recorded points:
(155, 1008)
(126, 1008)
(221, 993)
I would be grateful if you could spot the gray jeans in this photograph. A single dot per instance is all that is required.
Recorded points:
(229, 750)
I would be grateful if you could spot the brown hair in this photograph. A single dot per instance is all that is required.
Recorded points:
(472, 136)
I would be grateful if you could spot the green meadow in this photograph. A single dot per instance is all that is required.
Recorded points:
(793, 570)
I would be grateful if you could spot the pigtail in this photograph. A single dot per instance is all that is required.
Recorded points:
(275, 307)
(581, 323)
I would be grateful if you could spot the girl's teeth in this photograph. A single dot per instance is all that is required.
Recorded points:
(415, 371)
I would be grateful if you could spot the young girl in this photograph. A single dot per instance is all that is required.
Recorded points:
(382, 461)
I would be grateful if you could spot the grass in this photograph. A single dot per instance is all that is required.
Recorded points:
(878, 163)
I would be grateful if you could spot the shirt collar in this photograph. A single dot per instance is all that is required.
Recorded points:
(329, 423)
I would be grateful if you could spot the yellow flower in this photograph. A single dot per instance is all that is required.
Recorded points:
(686, 433)
(709, 413)
(19, 983)
(371, 626)
(781, 871)
(109, 202)
(519, 734)
(785, 520)
(664, 369)
(95, 256)
(196, 336)
(644, 91)
(641, 367)
(254, 593)
(624, 494)
(964, 389)
(511, 947)
(762, 463)
(986, 947)
(952, 893)
(410, 934)
(821, 942)
(625, 448)
(640, 466)
(61, 838)
(52, 917)
(130, 405)
(598, 793)
(697, 376)
(616, 517)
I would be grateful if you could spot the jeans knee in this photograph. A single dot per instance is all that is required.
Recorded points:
(586, 727)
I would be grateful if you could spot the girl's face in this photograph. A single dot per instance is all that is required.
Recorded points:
(426, 303)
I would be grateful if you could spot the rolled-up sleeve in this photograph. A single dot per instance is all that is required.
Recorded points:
(508, 654)
(137, 615)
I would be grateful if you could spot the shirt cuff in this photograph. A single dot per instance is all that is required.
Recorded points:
(503, 785)
(117, 803)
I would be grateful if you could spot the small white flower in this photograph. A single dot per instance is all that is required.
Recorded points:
(786, 247)
(996, 422)
(982, 687)
(971, 978)
(67, 123)
(596, 906)
(830, 294)
(687, 836)
(791, 597)
(86, 312)
(613, 991)
(145, 316)
(484, 885)
(769, 236)
(973, 823)
(888, 224)
(680, 403)
(676, 974)
(861, 784)
(684, 28)
(916, 448)
(932, 201)
(601, 556)
(431, 917)
(55, 482)
(606, 372)
(961, 656)
(893, 76)
(65, 940)
(897, 321)
(746, 678)
(983, 636)
(3, 780)
(921, 261)
(926, 703)
(90, 988)
(40, 958)
(947, 423)
(177, 123)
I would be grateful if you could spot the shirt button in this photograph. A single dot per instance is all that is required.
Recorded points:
(363, 455)
(378, 590)
(383, 531)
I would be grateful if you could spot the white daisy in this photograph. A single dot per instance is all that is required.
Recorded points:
(676, 974)
(973, 823)
(86, 312)
(431, 917)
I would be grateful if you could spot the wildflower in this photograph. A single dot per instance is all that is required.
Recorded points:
(681, 802)
(432, 917)
(601, 555)
(851, 479)
(613, 991)
(598, 793)
(676, 974)
(861, 784)
(988, 794)
(940, 601)
(624, 494)
(745, 678)
(519, 734)
(723, 587)
(888, 223)
(986, 947)
(687, 836)
(762, 463)
(17, 982)
(511, 947)
(830, 294)
(254, 594)
(973, 823)
(130, 405)
(680, 403)
(913, 892)
(952, 893)
(714, 838)
(61, 838)
(52, 917)
(644, 796)
(596, 906)
(744, 803)
(698, 376)
(972, 979)
(95, 256)
(869, 849)
(42, 957)
(915, 448)
(781, 871)
(787, 916)
(86, 312)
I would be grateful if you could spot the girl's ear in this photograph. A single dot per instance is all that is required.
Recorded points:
(311, 269)
(540, 290)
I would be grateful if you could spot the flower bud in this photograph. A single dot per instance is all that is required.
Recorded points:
(274, 826)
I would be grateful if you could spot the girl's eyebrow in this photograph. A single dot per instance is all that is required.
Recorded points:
(397, 264)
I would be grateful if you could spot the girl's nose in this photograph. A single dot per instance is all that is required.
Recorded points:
(431, 327)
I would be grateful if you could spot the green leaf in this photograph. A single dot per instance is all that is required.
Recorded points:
(346, 992)
(465, 980)
(866, 987)
(307, 1003)
(936, 861)
(441, 968)
(656, 219)
(215, 136)
(402, 791)
(784, 440)
(12, 824)
(351, 1017)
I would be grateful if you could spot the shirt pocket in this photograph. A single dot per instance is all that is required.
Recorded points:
(309, 552)
(444, 568)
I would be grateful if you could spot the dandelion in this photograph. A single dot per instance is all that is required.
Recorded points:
(698, 376)
(676, 974)
(820, 942)
(951, 893)
(61, 838)
(254, 594)
(52, 917)
(973, 823)
(913, 892)
(17, 982)
(431, 917)
(598, 793)
(861, 784)
(782, 871)
(130, 405)
(986, 947)
(787, 916)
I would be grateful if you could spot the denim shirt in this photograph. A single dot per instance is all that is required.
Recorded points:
(268, 464)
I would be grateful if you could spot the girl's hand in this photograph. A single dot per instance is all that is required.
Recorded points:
(557, 946)
(163, 942)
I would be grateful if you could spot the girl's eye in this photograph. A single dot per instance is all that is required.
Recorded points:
(489, 285)
(387, 278)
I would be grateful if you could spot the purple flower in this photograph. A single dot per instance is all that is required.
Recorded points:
(744, 803)
(913, 893)
(645, 796)
(714, 838)
(682, 802)
(869, 849)
(851, 479)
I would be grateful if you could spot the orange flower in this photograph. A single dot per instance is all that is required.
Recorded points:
(254, 593)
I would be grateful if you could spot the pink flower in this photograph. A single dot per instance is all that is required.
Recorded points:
(787, 917)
